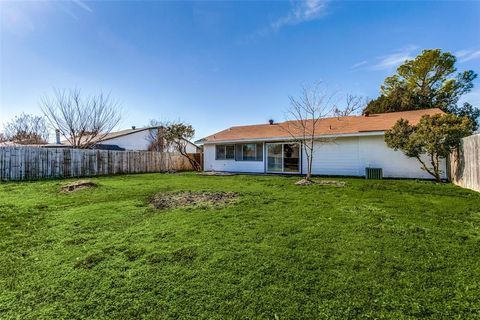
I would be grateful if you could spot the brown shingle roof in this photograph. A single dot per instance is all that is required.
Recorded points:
(327, 126)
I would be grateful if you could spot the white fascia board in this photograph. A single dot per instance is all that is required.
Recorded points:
(343, 135)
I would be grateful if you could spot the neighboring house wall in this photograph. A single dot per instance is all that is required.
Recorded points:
(191, 148)
(348, 156)
(141, 141)
(134, 141)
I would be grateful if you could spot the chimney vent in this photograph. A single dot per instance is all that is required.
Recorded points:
(133, 127)
(270, 121)
(57, 136)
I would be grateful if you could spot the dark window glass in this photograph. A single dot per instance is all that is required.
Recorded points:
(230, 151)
(238, 152)
(224, 152)
(249, 152)
(219, 152)
(259, 152)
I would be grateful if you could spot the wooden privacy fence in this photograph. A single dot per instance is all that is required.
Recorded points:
(465, 164)
(31, 163)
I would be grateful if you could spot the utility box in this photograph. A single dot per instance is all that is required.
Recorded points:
(374, 173)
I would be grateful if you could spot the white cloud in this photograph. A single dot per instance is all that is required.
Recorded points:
(359, 64)
(82, 5)
(390, 61)
(467, 55)
(302, 11)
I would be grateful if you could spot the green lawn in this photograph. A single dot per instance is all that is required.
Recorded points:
(371, 249)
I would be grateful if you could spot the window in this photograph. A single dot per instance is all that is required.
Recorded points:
(230, 151)
(249, 152)
(224, 152)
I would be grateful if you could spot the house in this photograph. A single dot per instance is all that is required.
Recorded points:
(357, 143)
(132, 139)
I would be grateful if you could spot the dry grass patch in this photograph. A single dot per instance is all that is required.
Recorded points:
(172, 200)
(308, 182)
(77, 185)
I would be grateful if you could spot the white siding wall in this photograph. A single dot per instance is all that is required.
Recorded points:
(140, 141)
(335, 158)
(350, 156)
(133, 141)
(347, 156)
(190, 148)
(375, 153)
(210, 164)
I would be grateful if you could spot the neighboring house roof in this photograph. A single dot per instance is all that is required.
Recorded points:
(115, 134)
(121, 133)
(111, 147)
(324, 127)
(43, 145)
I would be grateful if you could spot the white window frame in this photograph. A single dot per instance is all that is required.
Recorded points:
(225, 152)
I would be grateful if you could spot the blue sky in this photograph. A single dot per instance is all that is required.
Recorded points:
(218, 64)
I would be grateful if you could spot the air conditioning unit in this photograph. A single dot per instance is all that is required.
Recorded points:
(373, 173)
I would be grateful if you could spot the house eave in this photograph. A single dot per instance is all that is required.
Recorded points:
(341, 135)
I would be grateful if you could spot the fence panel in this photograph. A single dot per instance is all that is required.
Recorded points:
(465, 164)
(31, 163)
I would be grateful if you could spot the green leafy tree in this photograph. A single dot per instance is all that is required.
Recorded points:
(432, 139)
(428, 81)
(176, 136)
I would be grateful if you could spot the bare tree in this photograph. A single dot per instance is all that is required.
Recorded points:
(27, 129)
(353, 106)
(3, 138)
(155, 136)
(304, 119)
(177, 136)
(82, 120)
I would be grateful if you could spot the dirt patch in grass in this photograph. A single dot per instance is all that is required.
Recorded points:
(330, 183)
(171, 200)
(306, 182)
(215, 173)
(77, 185)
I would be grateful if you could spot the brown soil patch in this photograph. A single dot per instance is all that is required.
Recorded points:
(78, 185)
(171, 200)
(305, 182)
(331, 183)
(215, 173)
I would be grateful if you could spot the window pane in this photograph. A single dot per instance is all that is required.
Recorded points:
(230, 151)
(249, 151)
(220, 152)
(259, 152)
(291, 158)
(238, 152)
(274, 154)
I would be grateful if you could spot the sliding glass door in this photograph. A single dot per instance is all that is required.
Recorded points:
(274, 158)
(283, 157)
(291, 157)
